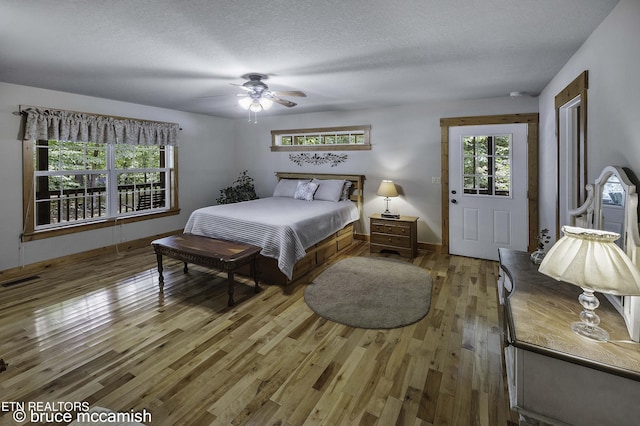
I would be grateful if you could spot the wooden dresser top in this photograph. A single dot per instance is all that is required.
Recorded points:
(539, 313)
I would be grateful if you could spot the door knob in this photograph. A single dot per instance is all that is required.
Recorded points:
(454, 201)
(454, 192)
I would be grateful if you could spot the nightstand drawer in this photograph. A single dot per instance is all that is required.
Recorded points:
(391, 240)
(379, 248)
(397, 228)
(389, 234)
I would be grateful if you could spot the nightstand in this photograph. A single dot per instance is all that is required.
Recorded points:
(398, 235)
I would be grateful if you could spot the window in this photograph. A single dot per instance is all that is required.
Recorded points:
(70, 182)
(84, 182)
(84, 171)
(487, 165)
(338, 138)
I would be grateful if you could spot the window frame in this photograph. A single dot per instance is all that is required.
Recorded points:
(30, 232)
(276, 136)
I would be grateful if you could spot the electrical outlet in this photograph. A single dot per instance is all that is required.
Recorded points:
(435, 179)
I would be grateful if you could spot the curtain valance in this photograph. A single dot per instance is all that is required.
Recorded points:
(45, 124)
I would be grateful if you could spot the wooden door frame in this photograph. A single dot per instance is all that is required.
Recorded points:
(532, 121)
(577, 89)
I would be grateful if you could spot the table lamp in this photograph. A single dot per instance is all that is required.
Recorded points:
(388, 189)
(589, 258)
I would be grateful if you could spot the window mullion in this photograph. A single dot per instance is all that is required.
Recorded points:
(112, 182)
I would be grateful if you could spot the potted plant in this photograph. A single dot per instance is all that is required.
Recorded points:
(543, 238)
(240, 190)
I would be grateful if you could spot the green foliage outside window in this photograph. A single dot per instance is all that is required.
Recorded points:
(487, 165)
(56, 155)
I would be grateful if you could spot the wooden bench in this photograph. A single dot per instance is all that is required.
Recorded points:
(226, 256)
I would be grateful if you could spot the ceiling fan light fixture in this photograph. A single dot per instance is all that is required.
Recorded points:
(266, 103)
(256, 106)
(258, 97)
(245, 102)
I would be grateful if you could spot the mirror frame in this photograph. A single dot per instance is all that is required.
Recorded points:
(571, 125)
(589, 215)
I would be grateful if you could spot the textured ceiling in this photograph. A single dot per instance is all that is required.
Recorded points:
(345, 54)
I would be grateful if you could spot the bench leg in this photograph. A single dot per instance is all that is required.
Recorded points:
(160, 277)
(254, 274)
(185, 269)
(230, 282)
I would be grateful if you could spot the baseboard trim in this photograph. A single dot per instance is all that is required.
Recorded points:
(35, 268)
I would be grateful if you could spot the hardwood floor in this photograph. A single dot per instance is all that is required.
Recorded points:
(100, 332)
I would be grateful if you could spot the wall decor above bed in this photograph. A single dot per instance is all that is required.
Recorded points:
(317, 159)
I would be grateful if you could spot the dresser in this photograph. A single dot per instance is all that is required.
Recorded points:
(554, 375)
(397, 235)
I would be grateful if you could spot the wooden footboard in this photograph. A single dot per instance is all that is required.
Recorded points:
(268, 271)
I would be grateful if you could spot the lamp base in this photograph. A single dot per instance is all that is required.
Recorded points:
(592, 332)
(390, 215)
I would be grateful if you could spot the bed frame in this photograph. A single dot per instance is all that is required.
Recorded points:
(319, 253)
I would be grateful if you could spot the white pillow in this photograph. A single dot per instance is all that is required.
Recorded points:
(305, 191)
(287, 187)
(329, 189)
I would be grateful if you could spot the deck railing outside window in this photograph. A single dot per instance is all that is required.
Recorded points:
(72, 205)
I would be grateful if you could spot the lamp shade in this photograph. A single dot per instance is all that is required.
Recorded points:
(589, 258)
(387, 189)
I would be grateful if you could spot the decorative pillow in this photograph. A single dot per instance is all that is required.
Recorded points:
(346, 189)
(329, 189)
(287, 187)
(305, 191)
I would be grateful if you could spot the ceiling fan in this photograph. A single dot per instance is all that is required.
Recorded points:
(258, 97)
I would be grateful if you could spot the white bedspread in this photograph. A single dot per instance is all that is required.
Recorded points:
(284, 227)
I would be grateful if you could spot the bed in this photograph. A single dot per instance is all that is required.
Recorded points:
(296, 230)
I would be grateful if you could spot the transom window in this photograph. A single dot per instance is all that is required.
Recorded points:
(76, 182)
(338, 138)
(487, 165)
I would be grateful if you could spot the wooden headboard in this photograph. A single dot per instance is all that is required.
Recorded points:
(357, 182)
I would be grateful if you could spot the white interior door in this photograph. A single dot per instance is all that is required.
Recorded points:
(487, 189)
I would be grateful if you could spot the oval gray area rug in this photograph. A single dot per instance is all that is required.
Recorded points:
(371, 292)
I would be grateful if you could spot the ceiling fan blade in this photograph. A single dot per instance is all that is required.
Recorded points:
(284, 102)
(215, 96)
(248, 89)
(289, 93)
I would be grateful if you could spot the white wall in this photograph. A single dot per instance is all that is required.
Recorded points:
(405, 148)
(612, 57)
(206, 158)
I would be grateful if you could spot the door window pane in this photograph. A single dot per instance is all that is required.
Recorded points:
(486, 165)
